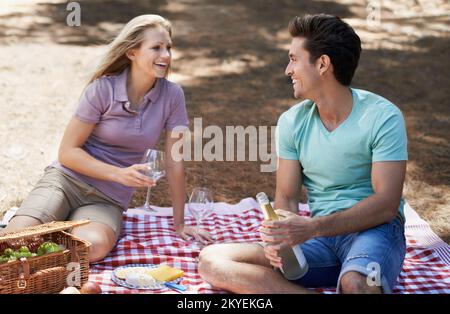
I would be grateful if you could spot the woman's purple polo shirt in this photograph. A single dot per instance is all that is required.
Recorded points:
(122, 135)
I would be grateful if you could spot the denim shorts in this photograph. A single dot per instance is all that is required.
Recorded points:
(376, 253)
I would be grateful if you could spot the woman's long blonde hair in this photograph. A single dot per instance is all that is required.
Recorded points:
(131, 36)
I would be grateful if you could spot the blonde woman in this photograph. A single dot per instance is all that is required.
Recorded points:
(126, 105)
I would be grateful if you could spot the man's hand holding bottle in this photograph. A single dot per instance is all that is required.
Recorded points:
(291, 229)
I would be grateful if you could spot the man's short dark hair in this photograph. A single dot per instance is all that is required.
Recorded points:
(329, 35)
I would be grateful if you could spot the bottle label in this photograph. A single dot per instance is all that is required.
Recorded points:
(300, 256)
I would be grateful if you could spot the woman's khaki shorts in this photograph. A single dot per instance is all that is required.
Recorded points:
(58, 196)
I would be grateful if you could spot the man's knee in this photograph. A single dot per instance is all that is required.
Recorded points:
(356, 283)
(208, 258)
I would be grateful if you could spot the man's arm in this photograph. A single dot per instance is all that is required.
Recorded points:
(289, 181)
(381, 207)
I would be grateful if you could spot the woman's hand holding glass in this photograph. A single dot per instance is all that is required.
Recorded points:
(133, 176)
(154, 169)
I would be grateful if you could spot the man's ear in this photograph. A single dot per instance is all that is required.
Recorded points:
(323, 64)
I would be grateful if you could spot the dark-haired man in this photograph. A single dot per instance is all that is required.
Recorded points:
(348, 148)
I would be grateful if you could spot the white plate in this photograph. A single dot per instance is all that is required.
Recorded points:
(157, 286)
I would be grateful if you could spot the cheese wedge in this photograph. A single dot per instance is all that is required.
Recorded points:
(166, 273)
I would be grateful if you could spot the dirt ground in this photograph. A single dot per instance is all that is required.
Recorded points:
(230, 57)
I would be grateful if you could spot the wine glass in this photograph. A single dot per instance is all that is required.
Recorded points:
(200, 206)
(155, 161)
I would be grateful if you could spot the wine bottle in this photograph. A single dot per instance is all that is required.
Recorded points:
(292, 258)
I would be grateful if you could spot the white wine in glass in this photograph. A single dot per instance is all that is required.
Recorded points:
(156, 170)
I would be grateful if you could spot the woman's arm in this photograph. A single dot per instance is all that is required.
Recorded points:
(175, 175)
(72, 156)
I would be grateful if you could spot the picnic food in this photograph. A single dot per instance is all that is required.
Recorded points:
(166, 273)
(31, 249)
(48, 247)
(294, 265)
(11, 255)
(137, 276)
(146, 276)
(123, 272)
(48, 273)
(162, 273)
(90, 287)
(140, 280)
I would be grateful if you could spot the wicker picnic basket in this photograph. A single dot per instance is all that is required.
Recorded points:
(47, 273)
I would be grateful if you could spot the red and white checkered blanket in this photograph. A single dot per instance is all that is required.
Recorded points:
(148, 238)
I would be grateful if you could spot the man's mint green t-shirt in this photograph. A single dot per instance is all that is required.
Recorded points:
(336, 166)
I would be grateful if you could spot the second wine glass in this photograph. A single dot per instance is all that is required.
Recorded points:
(200, 206)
